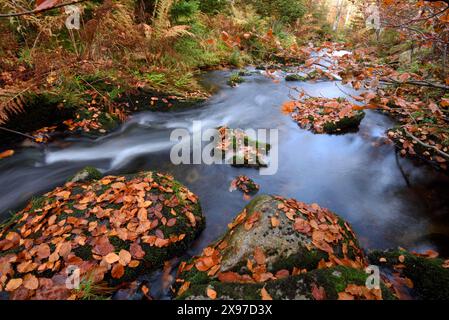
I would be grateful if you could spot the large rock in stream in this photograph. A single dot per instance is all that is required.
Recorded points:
(282, 249)
(111, 230)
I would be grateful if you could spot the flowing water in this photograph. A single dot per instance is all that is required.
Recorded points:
(390, 201)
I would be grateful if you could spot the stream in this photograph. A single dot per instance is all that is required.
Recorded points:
(389, 200)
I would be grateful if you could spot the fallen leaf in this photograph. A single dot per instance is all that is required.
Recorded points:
(111, 258)
(117, 271)
(6, 154)
(265, 295)
(14, 284)
(211, 293)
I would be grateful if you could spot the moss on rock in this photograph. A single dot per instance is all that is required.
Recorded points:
(295, 77)
(275, 238)
(114, 229)
(299, 287)
(430, 279)
(86, 174)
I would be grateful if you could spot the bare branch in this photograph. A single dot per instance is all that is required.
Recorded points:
(18, 14)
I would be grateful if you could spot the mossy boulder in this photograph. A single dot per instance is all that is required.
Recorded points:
(429, 276)
(331, 116)
(296, 77)
(345, 124)
(274, 239)
(112, 230)
(285, 245)
(240, 150)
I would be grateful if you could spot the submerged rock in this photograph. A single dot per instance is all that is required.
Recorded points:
(240, 150)
(287, 247)
(426, 277)
(235, 79)
(296, 77)
(111, 230)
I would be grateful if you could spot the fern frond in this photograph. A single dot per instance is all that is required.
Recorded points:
(177, 31)
(161, 16)
(11, 102)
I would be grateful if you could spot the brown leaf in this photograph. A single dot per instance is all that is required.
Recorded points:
(259, 256)
(117, 271)
(318, 293)
(136, 251)
(43, 251)
(30, 282)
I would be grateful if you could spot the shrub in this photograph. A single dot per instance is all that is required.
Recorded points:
(185, 10)
(286, 11)
(213, 6)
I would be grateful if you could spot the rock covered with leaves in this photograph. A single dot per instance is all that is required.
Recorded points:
(245, 185)
(112, 229)
(321, 115)
(283, 249)
(240, 150)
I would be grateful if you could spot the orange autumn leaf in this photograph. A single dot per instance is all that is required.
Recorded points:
(13, 284)
(111, 258)
(265, 295)
(259, 256)
(6, 154)
(185, 286)
(117, 271)
(275, 222)
(211, 293)
(345, 296)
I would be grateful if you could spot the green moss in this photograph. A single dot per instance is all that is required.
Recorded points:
(347, 124)
(333, 280)
(304, 260)
(295, 77)
(83, 252)
(430, 279)
(86, 174)
(235, 79)
(37, 203)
